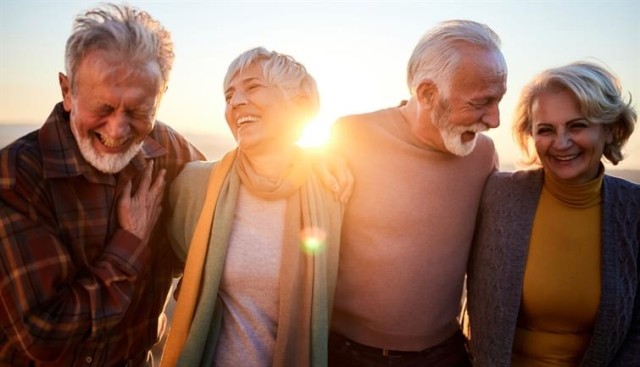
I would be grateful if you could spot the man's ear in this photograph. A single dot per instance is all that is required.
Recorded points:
(427, 93)
(65, 88)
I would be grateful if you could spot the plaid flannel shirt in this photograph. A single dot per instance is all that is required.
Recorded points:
(73, 292)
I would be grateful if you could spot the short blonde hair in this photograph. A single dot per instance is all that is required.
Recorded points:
(599, 95)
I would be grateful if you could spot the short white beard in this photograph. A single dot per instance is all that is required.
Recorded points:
(109, 163)
(452, 135)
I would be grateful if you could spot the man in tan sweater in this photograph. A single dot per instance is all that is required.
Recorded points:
(420, 169)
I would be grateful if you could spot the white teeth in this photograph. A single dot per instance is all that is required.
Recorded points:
(111, 143)
(244, 119)
(566, 157)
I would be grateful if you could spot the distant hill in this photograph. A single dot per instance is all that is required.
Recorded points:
(214, 146)
(632, 175)
(627, 174)
(9, 133)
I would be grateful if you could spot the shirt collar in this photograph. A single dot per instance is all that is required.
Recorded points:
(62, 157)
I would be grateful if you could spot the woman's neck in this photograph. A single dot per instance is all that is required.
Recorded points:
(273, 164)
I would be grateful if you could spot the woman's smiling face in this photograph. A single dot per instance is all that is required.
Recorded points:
(260, 115)
(569, 146)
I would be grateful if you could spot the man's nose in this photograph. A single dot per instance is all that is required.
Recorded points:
(492, 117)
(118, 125)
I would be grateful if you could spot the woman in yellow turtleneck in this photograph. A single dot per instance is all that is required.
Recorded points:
(554, 271)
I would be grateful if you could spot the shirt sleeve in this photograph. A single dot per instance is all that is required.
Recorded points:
(47, 303)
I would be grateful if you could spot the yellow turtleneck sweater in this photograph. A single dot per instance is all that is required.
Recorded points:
(561, 289)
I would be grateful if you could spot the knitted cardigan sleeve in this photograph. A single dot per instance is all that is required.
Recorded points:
(497, 262)
(625, 198)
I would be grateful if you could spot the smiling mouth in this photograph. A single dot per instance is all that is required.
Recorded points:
(245, 119)
(112, 143)
(467, 136)
(565, 158)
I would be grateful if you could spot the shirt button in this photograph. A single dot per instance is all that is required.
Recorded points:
(88, 360)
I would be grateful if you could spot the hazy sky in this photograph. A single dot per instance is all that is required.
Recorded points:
(356, 50)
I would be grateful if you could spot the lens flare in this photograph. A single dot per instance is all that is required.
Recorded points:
(312, 239)
(316, 134)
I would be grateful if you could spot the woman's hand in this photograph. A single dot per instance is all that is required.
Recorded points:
(334, 173)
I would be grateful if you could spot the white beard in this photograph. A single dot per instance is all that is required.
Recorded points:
(108, 163)
(452, 135)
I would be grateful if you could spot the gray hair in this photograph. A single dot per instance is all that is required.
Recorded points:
(599, 96)
(436, 55)
(281, 71)
(121, 29)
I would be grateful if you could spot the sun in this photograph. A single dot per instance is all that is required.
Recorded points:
(316, 134)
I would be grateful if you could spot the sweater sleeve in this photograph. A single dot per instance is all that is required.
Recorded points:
(627, 207)
(186, 198)
(623, 201)
(629, 353)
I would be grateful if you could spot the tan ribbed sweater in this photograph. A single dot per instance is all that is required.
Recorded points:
(406, 234)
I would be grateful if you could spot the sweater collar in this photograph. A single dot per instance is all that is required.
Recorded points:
(582, 195)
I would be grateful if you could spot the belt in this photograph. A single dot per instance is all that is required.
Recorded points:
(372, 350)
(456, 338)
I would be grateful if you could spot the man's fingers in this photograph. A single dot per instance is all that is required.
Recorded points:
(139, 213)
(146, 178)
(157, 189)
(126, 191)
(159, 183)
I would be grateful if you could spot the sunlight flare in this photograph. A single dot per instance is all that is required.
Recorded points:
(315, 134)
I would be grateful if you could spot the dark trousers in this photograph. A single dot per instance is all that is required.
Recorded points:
(344, 352)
